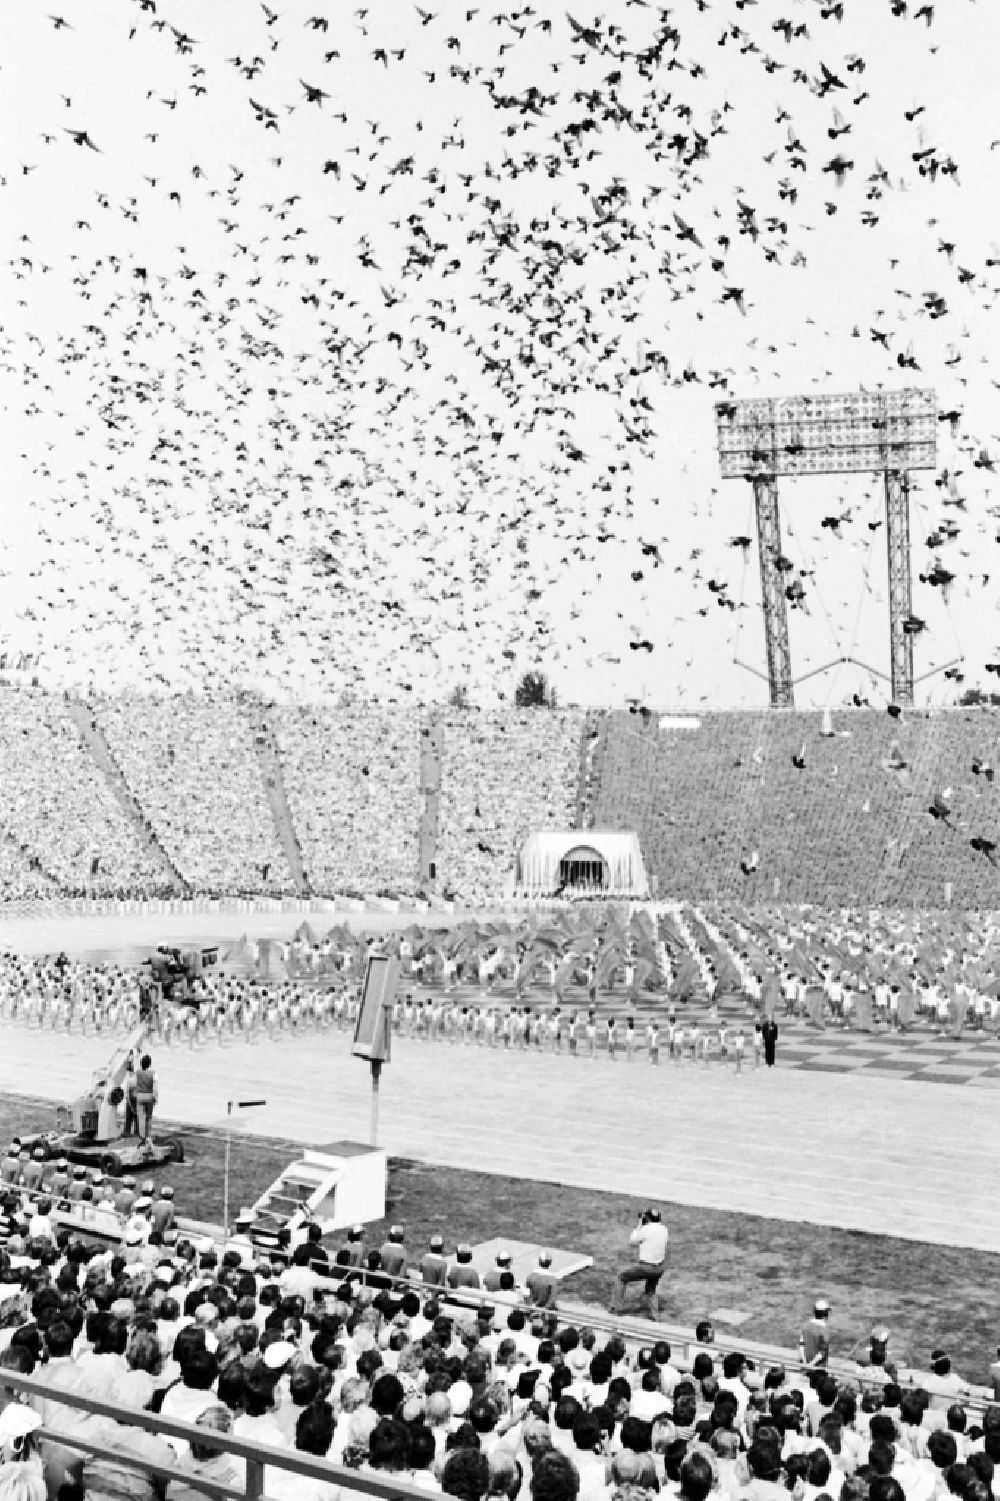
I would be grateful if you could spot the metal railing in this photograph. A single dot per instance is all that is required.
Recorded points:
(257, 1457)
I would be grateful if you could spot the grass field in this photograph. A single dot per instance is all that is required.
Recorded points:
(768, 1269)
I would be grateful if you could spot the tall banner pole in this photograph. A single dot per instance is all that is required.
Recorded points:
(225, 1173)
(376, 1075)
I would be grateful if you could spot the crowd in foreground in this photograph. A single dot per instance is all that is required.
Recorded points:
(317, 1351)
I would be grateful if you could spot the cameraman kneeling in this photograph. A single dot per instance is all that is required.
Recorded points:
(650, 1239)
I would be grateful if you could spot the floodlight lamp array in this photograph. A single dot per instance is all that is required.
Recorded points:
(837, 434)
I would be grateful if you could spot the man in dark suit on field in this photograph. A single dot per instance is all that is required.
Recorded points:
(769, 1033)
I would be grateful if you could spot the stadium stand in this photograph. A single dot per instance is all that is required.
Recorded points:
(20, 876)
(58, 809)
(502, 775)
(725, 809)
(742, 807)
(351, 776)
(191, 764)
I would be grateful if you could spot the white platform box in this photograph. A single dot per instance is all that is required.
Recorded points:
(338, 1185)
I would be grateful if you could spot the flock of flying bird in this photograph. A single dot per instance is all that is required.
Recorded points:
(358, 349)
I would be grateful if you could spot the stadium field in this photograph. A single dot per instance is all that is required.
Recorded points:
(841, 1148)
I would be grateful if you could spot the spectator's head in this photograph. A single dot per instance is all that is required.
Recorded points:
(423, 1450)
(466, 1474)
(566, 1412)
(314, 1429)
(764, 1460)
(231, 1387)
(59, 1340)
(201, 1369)
(303, 1385)
(387, 1394)
(554, 1477)
(696, 1478)
(685, 1408)
(881, 1458)
(144, 1352)
(882, 1428)
(885, 1488)
(955, 1418)
(217, 1419)
(636, 1435)
(483, 1415)
(390, 1446)
(726, 1443)
(942, 1450)
(438, 1410)
(506, 1476)
(258, 1391)
(911, 1409)
(587, 1432)
(110, 1335)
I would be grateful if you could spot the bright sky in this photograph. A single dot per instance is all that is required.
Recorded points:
(407, 379)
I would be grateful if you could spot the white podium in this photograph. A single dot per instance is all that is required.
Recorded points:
(338, 1185)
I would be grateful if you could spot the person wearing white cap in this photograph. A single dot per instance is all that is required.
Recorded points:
(491, 1281)
(20, 1465)
(137, 1226)
(876, 1360)
(463, 1273)
(75, 1188)
(162, 1213)
(125, 1197)
(392, 1253)
(240, 1241)
(541, 1285)
(814, 1340)
(434, 1264)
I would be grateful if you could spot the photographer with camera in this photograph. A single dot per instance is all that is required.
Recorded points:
(650, 1240)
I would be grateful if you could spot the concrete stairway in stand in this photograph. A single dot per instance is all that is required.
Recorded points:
(93, 740)
(266, 747)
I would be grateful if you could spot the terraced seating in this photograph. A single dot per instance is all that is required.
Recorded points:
(502, 776)
(59, 811)
(725, 810)
(352, 781)
(191, 764)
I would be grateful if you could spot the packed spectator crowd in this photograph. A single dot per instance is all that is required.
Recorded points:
(501, 777)
(21, 877)
(806, 808)
(59, 814)
(352, 781)
(320, 1352)
(850, 811)
(190, 763)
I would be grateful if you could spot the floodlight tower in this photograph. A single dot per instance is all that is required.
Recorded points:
(891, 432)
(897, 526)
(772, 583)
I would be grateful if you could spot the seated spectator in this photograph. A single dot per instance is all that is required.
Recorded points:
(207, 1463)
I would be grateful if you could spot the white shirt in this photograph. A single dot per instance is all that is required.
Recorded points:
(651, 1241)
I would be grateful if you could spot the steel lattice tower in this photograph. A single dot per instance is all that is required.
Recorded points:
(779, 657)
(897, 521)
(882, 432)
